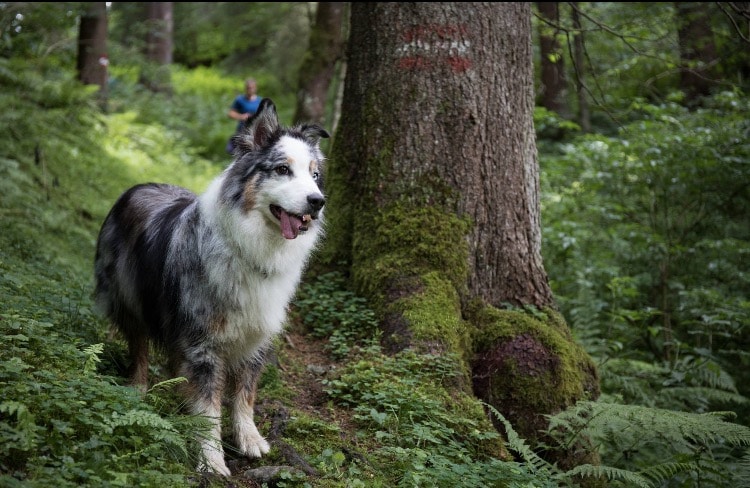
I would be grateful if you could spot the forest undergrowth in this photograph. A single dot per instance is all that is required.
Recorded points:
(339, 412)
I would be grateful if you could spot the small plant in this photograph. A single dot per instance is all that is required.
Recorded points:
(328, 309)
(425, 435)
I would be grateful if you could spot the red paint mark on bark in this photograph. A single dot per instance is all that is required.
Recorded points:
(458, 64)
(428, 47)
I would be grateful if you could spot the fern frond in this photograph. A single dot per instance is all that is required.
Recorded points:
(142, 418)
(672, 426)
(517, 444)
(699, 395)
(92, 353)
(611, 474)
(742, 473)
(701, 371)
(167, 384)
(664, 471)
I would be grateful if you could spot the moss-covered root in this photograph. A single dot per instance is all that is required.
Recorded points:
(527, 366)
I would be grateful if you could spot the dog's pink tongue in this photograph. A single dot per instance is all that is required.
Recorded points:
(290, 225)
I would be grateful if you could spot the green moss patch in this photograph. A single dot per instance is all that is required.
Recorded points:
(529, 363)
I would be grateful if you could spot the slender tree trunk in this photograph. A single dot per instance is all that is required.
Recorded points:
(319, 66)
(697, 49)
(434, 199)
(159, 46)
(159, 38)
(92, 61)
(553, 80)
(584, 115)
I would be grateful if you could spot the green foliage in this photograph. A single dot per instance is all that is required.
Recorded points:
(646, 240)
(39, 31)
(425, 436)
(662, 447)
(646, 233)
(649, 447)
(328, 309)
(631, 50)
(60, 420)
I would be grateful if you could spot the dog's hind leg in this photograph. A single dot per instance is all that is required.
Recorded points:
(138, 342)
(206, 377)
(249, 441)
(138, 349)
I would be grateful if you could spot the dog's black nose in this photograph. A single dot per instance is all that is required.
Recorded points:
(316, 201)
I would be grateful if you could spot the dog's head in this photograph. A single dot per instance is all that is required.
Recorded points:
(277, 172)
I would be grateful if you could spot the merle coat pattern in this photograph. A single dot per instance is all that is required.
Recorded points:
(208, 278)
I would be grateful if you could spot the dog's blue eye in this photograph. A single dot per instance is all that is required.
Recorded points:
(282, 170)
(315, 175)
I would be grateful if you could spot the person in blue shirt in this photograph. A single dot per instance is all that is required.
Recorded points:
(243, 107)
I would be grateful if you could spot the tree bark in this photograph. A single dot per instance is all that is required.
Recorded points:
(697, 49)
(434, 199)
(584, 115)
(319, 66)
(92, 61)
(155, 75)
(553, 80)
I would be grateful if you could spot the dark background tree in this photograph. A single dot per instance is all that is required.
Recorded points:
(434, 199)
(553, 83)
(697, 49)
(579, 71)
(324, 54)
(92, 60)
(158, 47)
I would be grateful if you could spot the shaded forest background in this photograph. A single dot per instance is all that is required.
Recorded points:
(643, 132)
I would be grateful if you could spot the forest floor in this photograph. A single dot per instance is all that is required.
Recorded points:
(302, 363)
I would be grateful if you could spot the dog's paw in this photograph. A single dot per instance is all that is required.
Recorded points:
(217, 466)
(213, 459)
(252, 444)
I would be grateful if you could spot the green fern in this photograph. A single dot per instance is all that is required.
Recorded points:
(167, 384)
(686, 440)
(653, 443)
(608, 472)
(139, 417)
(92, 353)
(517, 444)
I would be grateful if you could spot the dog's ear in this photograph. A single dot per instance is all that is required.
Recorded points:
(263, 124)
(314, 132)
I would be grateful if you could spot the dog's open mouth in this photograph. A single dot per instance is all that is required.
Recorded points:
(291, 224)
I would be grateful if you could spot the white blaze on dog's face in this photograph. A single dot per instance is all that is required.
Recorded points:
(290, 195)
(275, 180)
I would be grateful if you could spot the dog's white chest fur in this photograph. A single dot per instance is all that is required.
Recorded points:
(258, 278)
(260, 313)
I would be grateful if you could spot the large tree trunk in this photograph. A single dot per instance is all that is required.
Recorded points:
(318, 68)
(159, 47)
(434, 199)
(92, 61)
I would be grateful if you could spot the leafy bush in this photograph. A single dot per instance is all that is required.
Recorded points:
(425, 436)
(646, 233)
(328, 309)
(645, 239)
(61, 421)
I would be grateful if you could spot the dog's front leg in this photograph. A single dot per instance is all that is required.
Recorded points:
(249, 441)
(206, 378)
